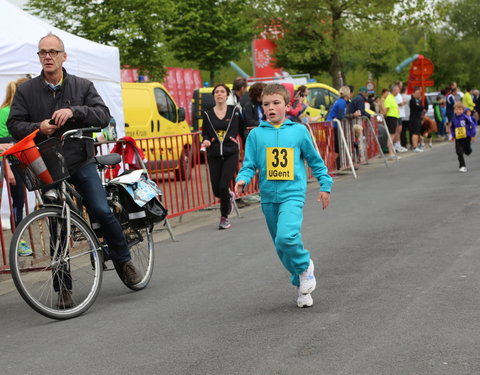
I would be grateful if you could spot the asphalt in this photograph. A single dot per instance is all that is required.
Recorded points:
(396, 259)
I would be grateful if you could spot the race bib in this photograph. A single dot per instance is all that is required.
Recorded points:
(280, 163)
(461, 132)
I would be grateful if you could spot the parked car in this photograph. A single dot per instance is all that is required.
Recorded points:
(431, 98)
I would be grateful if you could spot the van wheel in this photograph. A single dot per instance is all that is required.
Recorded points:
(184, 164)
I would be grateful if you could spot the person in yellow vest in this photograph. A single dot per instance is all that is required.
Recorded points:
(392, 117)
(467, 99)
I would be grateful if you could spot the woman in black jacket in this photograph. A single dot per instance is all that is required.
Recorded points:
(221, 126)
(253, 111)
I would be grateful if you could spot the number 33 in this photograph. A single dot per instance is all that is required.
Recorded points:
(276, 153)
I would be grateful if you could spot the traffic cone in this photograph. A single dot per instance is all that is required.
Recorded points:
(27, 152)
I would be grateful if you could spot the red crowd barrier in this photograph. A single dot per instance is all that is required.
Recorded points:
(323, 135)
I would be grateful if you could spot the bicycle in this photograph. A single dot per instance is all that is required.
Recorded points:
(66, 252)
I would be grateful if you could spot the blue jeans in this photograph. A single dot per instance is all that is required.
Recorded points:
(88, 184)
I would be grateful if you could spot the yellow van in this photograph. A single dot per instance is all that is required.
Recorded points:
(320, 98)
(151, 112)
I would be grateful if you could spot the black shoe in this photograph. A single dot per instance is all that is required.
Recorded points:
(130, 273)
(65, 300)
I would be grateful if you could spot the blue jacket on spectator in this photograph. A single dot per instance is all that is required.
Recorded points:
(337, 111)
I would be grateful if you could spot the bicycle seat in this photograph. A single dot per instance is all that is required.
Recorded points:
(109, 159)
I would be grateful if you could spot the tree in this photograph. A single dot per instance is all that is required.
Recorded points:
(456, 49)
(133, 26)
(317, 33)
(377, 54)
(209, 32)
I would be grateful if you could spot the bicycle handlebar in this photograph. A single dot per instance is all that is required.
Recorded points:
(78, 133)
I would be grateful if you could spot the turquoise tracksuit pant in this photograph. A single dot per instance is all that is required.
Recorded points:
(284, 222)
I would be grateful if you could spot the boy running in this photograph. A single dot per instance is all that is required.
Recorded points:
(463, 131)
(278, 148)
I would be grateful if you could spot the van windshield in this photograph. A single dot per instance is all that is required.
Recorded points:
(321, 98)
(166, 107)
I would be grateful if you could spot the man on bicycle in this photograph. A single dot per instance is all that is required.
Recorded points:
(55, 102)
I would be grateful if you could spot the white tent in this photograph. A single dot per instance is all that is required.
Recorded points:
(19, 36)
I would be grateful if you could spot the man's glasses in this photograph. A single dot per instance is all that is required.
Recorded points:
(52, 53)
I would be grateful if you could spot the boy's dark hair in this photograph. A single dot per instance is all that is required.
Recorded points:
(238, 83)
(221, 85)
(277, 88)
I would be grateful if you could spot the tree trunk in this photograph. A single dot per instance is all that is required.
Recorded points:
(212, 78)
(336, 72)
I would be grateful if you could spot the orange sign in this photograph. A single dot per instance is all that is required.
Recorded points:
(422, 68)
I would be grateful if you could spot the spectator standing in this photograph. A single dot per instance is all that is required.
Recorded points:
(221, 126)
(381, 102)
(338, 111)
(35, 105)
(253, 111)
(17, 187)
(356, 108)
(463, 131)
(297, 105)
(416, 113)
(476, 101)
(239, 88)
(450, 103)
(467, 99)
(404, 117)
(392, 118)
(439, 116)
(401, 108)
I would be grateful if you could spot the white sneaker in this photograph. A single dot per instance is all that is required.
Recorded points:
(307, 280)
(304, 300)
(417, 149)
(393, 157)
(401, 149)
(462, 169)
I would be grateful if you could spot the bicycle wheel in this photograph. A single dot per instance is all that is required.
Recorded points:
(43, 279)
(140, 244)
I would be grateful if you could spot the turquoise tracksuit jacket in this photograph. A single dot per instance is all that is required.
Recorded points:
(289, 135)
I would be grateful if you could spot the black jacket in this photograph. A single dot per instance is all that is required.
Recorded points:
(250, 112)
(35, 101)
(232, 124)
(357, 104)
(416, 109)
